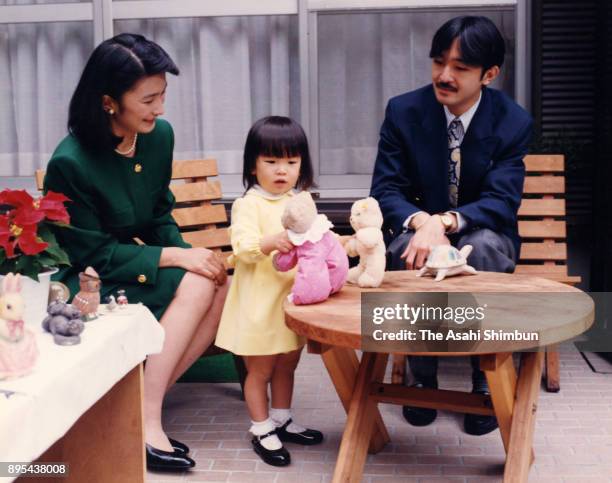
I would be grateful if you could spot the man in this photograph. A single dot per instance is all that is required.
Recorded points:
(449, 170)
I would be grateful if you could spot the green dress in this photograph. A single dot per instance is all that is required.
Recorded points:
(115, 199)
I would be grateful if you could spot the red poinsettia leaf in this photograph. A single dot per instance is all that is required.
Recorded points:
(30, 244)
(16, 198)
(8, 245)
(4, 225)
(52, 204)
(28, 215)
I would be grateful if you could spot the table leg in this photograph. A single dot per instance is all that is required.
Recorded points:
(106, 444)
(520, 450)
(342, 365)
(360, 421)
(501, 377)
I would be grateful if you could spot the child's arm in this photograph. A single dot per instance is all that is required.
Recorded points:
(245, 234)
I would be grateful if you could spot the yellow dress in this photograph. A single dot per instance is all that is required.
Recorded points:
(253, 321)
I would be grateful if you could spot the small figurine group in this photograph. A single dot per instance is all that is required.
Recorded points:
(64, 322)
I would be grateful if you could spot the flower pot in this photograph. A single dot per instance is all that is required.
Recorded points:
(35, 296)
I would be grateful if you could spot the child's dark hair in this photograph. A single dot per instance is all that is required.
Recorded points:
(113, 68)
(480, 42)
(277, 136)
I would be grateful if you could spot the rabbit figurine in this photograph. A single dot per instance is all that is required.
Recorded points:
(18, 350)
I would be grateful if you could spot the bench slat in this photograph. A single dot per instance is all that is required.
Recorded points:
(197, 168)
(199, 215)
(534, 207)
(215, 238)
(543, 251)
(199, 191)
(544, 185)
(544, 163)
(542, 229)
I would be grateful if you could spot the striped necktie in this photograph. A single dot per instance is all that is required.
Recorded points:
(455, 137)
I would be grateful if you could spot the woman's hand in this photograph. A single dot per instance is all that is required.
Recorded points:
(279, 241)
(202, 261)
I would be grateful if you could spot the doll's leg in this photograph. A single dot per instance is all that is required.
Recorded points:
(337, 264)
(311, 283)
(193, 300)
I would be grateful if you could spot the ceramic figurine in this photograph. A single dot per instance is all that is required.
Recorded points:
(122, 300)
(111, 303)
(58, 291)
(88, 298)
(446, 261)
(64, 322)
(18, 350)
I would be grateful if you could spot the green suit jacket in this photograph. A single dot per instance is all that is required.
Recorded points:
(115, 199)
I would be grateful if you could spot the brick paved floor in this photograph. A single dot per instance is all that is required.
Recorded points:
(573, 439)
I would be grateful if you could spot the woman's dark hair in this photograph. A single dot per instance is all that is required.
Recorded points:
(277, 136)
(112, 69)
(480, 42)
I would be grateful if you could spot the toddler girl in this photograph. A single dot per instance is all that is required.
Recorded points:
(276, 160)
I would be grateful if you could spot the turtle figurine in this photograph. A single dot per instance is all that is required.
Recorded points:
(446, 261)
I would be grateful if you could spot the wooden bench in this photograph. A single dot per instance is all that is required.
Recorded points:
(198, 219)
(542, 226)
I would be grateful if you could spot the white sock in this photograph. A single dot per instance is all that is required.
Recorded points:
(280, 417)
(259, 428)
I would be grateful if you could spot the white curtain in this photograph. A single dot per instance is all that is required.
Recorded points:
(367, 58)
(234, 70)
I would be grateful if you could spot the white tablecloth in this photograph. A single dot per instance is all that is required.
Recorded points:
(68, 380)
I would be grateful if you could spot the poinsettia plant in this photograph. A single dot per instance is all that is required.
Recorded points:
(27, 244)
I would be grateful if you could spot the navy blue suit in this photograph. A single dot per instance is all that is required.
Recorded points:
(411, 171)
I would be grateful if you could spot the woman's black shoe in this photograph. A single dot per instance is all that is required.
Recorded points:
(177, 445)
(159, 460)
(307, 437)
(274, 457)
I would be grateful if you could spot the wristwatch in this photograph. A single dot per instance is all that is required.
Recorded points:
(447, 221)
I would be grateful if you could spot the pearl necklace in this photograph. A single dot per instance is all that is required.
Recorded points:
(132, 147)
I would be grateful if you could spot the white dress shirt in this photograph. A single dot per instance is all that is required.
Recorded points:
(466, 119)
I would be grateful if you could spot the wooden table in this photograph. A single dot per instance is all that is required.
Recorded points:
(333, 329)
(82, 404)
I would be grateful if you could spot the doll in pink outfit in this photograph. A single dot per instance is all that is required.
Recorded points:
(321, 260)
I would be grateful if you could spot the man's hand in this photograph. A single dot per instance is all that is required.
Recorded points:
(428, 234)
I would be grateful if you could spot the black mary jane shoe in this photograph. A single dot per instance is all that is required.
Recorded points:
(307, 437)
(274, 457)
(178, 446)
(159, 460)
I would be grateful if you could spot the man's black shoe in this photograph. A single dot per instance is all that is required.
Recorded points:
(478, 424)
(420, 416)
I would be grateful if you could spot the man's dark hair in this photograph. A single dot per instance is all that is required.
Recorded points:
(113, 68)
(480, 42)
(277, 136)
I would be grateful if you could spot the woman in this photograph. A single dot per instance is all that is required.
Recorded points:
(115, 166)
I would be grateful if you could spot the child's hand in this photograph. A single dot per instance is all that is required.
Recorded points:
(279, 241)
